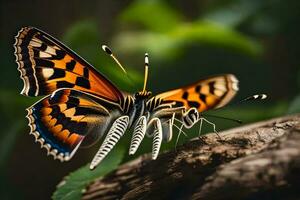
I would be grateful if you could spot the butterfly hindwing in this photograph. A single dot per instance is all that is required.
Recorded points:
(61, 122)
(213, 92)
(46, 65)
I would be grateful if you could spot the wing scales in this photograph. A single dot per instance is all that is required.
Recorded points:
(61, 122)
(206, 94)
(46, 64)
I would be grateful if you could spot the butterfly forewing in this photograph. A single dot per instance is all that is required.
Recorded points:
(213, 92)
(47, 65)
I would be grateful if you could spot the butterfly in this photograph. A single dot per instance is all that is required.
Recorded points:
(80, 104)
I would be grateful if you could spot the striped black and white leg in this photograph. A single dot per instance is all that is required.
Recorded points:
(157, 137)
(190, 118)
(138, 134)
(116, 131)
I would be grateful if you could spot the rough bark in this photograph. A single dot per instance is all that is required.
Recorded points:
(260, 160)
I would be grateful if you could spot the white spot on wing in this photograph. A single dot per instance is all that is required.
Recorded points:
(34, 43)
(36, 40)
(47, 72)
(235, 86)
(234, 82)
(220, 87)
(219, 93)
(44, 55)
(234, 79)
(50, 50)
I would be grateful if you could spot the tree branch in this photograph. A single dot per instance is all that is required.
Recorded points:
(255, 160)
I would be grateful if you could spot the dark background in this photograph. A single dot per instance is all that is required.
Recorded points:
(256, 40)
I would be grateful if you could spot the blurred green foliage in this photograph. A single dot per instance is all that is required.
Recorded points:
(165, 17)
(256, 40)
(294, 106)
(233, 13)
(173, 34)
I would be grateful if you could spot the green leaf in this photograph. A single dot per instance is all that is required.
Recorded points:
(140, 42)
(82, 33)
(217, 35)
(152, 14)
(234, 13)
(72, 187)
(84, 37)
(174, 42)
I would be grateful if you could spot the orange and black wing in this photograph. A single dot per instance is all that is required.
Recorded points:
(61, 121)
(46, 65)
(213, 92)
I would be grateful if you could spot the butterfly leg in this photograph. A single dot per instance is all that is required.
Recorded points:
(213, 125)
(157, 136)
(200, 126)
(114, 134)
(190, 117)
(138, 134)
(178, 136)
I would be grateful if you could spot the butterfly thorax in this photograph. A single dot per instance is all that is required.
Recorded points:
(139, 107)
(143, 95)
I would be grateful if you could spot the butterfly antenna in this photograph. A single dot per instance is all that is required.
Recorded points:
(109, 52)
(255, 97)
(146, 71)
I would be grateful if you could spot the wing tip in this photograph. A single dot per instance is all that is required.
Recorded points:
(234, 82)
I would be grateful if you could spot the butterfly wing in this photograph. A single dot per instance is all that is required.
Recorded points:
(46, 65)
(213, 92)
(61, 122)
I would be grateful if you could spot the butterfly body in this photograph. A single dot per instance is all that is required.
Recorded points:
(80, 105)
(139, 106)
